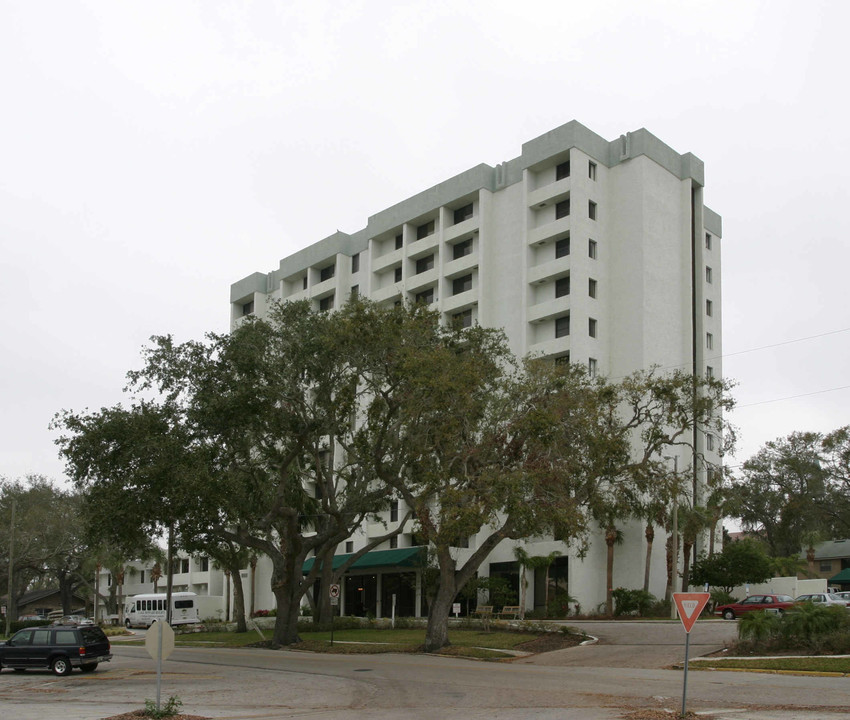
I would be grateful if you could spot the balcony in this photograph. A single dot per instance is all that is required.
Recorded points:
(553, 346)
(548, 309)
(393, 257)
(461, 301)
(548, 194)
(453, 232)
(416, 283)
(548, 270)
(546, 233)
(390, 292)
(461, 266)
(323, 288)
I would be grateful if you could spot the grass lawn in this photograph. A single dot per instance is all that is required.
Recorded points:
(839, 665)
(465, 643)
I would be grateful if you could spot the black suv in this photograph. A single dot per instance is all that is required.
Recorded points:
(59, 647)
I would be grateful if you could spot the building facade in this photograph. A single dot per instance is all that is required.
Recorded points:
(583, 250)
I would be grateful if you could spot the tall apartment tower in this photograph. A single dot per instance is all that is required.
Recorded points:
(584, 249)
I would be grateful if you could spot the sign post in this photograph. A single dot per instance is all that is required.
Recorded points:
(334, 593)
(159, 642)
(690, 605)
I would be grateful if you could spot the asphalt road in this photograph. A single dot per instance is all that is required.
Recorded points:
(265, 684)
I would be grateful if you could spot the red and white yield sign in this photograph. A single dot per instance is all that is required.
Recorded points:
(690, 605)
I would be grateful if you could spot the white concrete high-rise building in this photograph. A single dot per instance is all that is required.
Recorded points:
(600, 252)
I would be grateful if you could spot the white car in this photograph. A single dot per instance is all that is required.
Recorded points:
(823, 599)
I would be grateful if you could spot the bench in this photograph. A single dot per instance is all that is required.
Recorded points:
(512, 611)
(485, 612)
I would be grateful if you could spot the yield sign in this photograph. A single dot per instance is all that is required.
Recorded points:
(690, 605)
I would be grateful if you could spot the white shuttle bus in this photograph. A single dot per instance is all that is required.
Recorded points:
(144, 610)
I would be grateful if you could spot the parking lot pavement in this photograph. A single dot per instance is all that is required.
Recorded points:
(631, 644)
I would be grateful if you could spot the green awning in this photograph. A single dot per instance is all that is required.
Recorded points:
(841, 578)
(399, 557)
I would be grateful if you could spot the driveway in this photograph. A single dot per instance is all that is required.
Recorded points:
(639, 644)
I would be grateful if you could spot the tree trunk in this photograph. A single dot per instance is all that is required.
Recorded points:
(610, 539)
(523, 591)
(810, 559)
(650, 537)
(238, 598)
(686, 564)
(324, 609)
(66, 586)
(439, 607)
(668, 590)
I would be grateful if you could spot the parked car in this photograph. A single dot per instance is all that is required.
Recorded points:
(58, 647)
(823, 599)
(844, 595)
(771, 603)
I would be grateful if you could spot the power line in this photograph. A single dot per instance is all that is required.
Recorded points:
(792, 397)
(780, 344)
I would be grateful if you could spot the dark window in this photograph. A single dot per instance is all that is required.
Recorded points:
(141, 577)
(248, 308)
(394, 542)
(184, 565)
(562, 247)
(709, 371)
(562, 209)
(562, 286)
(399, 241)
(591, 249)
(181, 604)
(709, 308)
(304, 283)
(592, 366)
(591, 287)
(591, 327)
(563, 359)
(69, 637)
(463, 213)
(461, 249)
(355, 292)
(205, 564)
(461, 284)
(708, 275)
(425, 230)
(426, 296)
(424, 264)
(707, 241)
(591, 209)
(591, 169)
(394, 511)
(562, 171)
(463, 319)
(326, 303)
(562, 326)
(326, 273)
(349, 546)
(42, 637)
(355, 263)
(397, 274)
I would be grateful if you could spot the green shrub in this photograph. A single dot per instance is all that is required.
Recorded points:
(169, 709)
(759, 626)
(632, 602)
(16, 625)
(810, 620)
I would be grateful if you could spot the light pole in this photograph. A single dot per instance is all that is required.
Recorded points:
(11, 562)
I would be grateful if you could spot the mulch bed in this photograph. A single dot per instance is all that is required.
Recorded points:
(548, 642)
(136, 714)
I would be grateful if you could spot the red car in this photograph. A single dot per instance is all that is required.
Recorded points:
(775, 603)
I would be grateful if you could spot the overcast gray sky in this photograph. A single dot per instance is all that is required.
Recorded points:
(153, 153)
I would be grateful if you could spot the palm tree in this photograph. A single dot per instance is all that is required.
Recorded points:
(533, 562)
(613, 536)
(692, 521)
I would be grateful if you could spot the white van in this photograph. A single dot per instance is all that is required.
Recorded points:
(144, 610)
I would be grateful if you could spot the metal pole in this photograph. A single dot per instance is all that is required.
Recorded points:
(11, 562)
(158, 664)
(170, 574)
(685, 687)
(675, 532)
